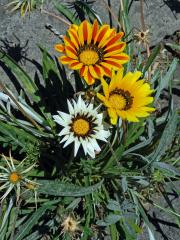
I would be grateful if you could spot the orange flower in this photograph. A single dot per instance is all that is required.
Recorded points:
(92, 50)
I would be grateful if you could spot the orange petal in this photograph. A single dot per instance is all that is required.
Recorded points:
(75, 65)
(87, 32)
(113, 63)
(114, 49)
(114, 39)
(99, 71)
(89, 79)
(69, 43)
(83, 70)
(65, 60)
(94, 29)
(121, 56)
(74, 37)
(93, 72)
(101, 33)
(106, 68)
(59, 47)
(71, 52)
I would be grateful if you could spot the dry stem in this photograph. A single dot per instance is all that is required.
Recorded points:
(112, 13)
(144, 29)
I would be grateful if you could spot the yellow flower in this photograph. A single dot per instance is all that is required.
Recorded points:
(92, 50)
(126, 97)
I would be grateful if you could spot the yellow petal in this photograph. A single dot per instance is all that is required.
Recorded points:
(131, 117)
(105, 87)
(113, 116)
(103, 99)
(80, 34)
(116, 78)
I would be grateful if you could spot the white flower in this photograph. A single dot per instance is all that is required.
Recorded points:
(83, 126)
(12, 177)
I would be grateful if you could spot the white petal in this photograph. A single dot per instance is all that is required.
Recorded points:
(84, 145)
(64, 131)
(102, 135)
(77, 144)
(65, 116)
(79, 103)
(95, 144)
(59, 120)
(69, 141)
(90, 150)
(70, 107)
(7, 192)
(99, 117)
(75, 108)
(64, 138)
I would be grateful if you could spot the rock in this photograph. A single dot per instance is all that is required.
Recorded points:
(161, 17)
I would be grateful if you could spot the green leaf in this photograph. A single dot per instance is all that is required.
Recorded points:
(66, 189)
(28, 225)
(66, 12)
(166, 138)
(173, 46)
(109, 220)
(48, 65)
(167, 168)
(113, 205)
(28, 84)
(133, 132)
(166, 79)
(142, 211)
(151, 58)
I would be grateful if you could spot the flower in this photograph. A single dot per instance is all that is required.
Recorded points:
(126, 97)
(83, 126)
(13, 178)
(92, 50)
(142, 37)
(70, 225)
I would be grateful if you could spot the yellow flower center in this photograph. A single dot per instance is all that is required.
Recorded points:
(117, 101)
(81, 127)
(88, 57)
(14, 177)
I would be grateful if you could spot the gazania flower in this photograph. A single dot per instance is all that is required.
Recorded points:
(126, 97)
(92, 50)
(13, 177)
(83, 126)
